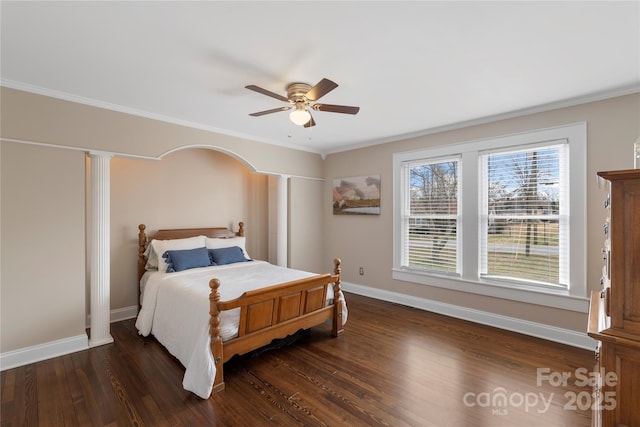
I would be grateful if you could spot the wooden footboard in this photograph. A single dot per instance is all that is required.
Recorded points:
(273, 312)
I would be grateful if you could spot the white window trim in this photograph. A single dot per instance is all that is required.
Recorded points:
(575, 298)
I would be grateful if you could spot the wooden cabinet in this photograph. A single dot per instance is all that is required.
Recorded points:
(614, 315)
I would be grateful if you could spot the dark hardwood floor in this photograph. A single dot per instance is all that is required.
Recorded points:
(393, 365)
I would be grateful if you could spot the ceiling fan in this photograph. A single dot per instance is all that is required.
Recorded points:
(302, 96)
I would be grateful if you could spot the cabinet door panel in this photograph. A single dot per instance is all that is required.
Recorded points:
(625, 363)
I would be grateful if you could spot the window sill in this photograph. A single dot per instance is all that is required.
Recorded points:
(515, 292)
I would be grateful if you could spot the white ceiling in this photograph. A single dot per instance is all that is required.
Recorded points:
(412, 67)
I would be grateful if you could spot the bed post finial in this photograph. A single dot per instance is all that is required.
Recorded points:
(214, 332)
(336, 269)
(240, 229)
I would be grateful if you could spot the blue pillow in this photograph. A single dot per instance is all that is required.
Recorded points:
(224, 256)
(185, 259)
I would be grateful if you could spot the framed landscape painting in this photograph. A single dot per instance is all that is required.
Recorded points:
(358, 195)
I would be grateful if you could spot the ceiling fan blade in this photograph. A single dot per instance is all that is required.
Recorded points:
(323, 87)
(345, 109)
(310, 123)
(275, 110)
(266, 92)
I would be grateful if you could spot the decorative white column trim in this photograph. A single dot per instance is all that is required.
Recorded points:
(100, 249)
(282, 221)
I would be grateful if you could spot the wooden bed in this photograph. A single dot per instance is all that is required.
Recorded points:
(265, 314)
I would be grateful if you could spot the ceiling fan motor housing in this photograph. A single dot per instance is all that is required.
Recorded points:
(296, 92)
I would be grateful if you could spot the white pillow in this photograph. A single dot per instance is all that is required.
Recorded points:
(152, 259)
(217, 243)
(161, 246)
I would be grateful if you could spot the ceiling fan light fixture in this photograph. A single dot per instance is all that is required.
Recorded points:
(300, 116)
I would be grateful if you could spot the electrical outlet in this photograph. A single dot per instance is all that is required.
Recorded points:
(362, 271)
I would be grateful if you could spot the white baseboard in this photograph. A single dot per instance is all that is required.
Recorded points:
(39, 352)
(124, 313)
(119, 314)
(539, 330)
(36, 353)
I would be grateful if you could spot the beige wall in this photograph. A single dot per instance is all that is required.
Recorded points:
(613, 126)
(43, 246)
(187, 188)
(306, 236)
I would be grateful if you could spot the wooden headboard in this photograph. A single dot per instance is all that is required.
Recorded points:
(178, 233)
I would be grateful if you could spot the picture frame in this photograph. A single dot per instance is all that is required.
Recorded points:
(357, 195)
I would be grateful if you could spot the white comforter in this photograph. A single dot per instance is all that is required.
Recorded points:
(175, 309)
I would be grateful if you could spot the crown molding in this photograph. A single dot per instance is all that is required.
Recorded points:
(570, 102)
(51, 93)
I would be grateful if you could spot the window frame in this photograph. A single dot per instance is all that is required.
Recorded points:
(406, 207)
(575, 297)
(562, 216)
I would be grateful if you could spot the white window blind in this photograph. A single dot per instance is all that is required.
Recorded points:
(524, 230)
(431, 215)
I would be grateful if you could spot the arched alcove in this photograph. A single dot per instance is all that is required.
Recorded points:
(222, 150)
(194, 186)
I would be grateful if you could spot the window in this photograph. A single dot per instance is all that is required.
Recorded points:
(523, 221)
(493, 217)
(431, 217)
